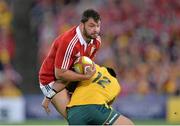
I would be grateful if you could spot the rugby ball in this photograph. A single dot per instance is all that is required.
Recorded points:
(82, 63)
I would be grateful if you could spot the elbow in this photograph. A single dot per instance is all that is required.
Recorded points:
(60, 78)
(59, 74)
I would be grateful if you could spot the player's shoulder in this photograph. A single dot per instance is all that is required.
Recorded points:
(68, 35)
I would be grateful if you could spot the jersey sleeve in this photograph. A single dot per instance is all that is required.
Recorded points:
(64, 54)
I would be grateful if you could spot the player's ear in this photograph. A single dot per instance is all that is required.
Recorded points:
(82, 25)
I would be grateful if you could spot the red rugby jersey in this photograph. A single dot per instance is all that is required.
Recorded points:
(64, 51)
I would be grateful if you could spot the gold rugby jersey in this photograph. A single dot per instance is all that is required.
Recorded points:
(100, 89)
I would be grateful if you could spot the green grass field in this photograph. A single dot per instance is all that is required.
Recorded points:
(62, 122)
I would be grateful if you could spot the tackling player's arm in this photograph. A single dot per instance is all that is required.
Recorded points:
(45, 105)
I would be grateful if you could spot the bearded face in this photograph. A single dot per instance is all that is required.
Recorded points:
(91, 29)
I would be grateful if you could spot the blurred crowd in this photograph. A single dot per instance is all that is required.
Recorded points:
(143, 39)
(140, 39)
(8, 76)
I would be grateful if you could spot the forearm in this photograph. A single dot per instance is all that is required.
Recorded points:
(69, 75)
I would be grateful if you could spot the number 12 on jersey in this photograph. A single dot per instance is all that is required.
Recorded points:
(101, 80)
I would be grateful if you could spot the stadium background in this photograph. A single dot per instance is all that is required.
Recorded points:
(140, 40)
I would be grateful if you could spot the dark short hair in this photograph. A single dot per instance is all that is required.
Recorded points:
(90, 13)
(111, 71)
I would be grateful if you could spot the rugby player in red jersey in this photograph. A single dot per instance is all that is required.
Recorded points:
(56, 70)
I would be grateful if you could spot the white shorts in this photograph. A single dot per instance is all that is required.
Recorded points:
(47, 90)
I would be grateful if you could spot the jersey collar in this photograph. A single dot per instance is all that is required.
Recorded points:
(79, 35)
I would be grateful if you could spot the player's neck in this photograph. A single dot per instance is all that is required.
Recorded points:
(88, 40)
